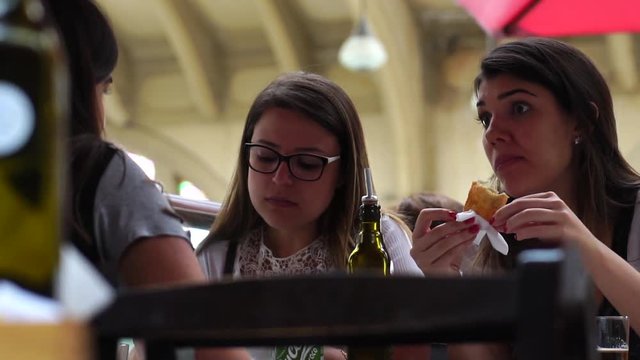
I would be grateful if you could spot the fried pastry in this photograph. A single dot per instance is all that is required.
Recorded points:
(484, 201)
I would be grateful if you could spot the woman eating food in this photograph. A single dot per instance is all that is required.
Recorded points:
(549, 133)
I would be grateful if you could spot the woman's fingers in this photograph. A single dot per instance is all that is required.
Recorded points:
(427, 216)
(548, 200)
(451, 260)
(448, 262)
(544, 216)
(442, 231)
(440, 249)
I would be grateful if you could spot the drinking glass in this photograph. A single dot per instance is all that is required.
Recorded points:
(612, 337)
(122, 352)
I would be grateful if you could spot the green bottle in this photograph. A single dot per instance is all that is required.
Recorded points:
(369, 257)
(33, 103)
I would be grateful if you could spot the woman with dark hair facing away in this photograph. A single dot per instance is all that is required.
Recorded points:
(292, 207)
(118, 217)
(549, 133)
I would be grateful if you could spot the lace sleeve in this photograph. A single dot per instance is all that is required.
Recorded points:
(398, 245)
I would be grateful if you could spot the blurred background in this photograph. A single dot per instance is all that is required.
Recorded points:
(189, 70)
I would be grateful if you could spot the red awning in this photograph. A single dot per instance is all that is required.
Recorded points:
(554, 17)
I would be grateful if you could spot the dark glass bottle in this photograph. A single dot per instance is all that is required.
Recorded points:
(369, 257)
(33, 98)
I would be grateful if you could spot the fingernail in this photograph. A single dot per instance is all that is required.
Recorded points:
(474, 229)
(470, 221)
(452, 215)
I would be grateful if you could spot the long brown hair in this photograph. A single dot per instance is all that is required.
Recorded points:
(607, 181)
(324, 102)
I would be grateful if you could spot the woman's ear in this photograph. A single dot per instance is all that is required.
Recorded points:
(595, 110)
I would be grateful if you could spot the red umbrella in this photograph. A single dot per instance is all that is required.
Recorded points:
(554, 17)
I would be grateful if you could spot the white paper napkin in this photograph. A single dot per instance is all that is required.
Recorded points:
(496, 240)
(21, 306)
(79, 293)
(80, 289)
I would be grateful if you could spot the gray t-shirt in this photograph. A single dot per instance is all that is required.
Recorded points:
(128, 207)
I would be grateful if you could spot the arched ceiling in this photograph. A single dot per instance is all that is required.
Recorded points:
(190, 65)
(219, 53)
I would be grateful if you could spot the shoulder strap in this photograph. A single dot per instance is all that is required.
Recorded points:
(85, 201)
(621, 232)
(230, 258)
(633, 246)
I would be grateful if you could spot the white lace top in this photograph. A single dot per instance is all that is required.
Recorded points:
(255, 259)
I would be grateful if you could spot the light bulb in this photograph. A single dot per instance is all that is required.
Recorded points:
(362, 51)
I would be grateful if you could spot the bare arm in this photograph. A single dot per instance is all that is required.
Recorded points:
(161, 260)
(479, 351)
(615, 278)
(545, 216)
(167, 260)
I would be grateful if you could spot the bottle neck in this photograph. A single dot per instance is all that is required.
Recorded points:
(370, 226)
(370, 212)
(370, 219)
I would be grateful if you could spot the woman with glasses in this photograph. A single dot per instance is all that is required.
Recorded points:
(293, 202)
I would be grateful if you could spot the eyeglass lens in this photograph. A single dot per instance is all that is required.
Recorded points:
(302, 166)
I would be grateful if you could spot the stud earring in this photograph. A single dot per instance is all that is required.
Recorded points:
(577, 140)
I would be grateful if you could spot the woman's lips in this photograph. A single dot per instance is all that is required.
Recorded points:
(280, 202)
(503, 162)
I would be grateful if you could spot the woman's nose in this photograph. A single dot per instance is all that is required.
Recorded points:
(496, 131)
(282, 175)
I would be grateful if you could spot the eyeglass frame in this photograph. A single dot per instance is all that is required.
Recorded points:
(326, 160)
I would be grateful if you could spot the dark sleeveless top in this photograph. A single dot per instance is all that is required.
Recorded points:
(619, 245)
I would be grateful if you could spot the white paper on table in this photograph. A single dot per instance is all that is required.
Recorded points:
(18, 305)
(80, 289)
(79, 293)
(496, 240)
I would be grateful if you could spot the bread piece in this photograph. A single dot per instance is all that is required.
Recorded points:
(484, 201)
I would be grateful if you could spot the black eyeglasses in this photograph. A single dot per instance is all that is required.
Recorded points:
(307, 167)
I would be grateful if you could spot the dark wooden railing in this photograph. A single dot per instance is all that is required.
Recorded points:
(544, 309)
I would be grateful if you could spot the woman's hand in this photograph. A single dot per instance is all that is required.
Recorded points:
(544, 216)
(439, 251)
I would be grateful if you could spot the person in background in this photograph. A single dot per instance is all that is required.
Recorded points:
(409, 208)
(117, 217)
(550, 136)
(292, 207)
